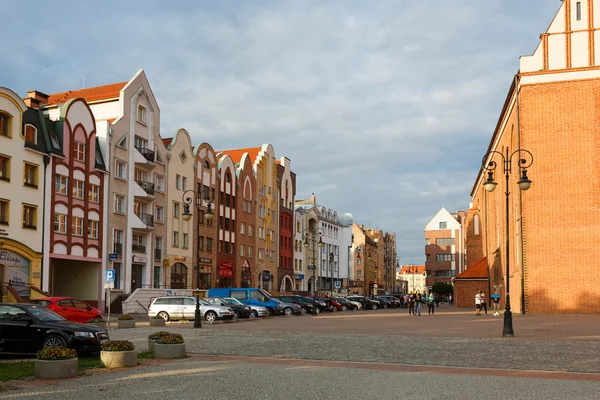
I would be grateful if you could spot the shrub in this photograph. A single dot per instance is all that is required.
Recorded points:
(96, 320)
(56, 353)
(156, 317)
(157, 335)
(125, 317)
(173, 338)
(118, 345)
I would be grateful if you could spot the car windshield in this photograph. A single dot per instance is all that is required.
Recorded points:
(203, 302)
(231, 300)
(43, 314)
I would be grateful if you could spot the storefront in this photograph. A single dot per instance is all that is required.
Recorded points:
(205, 274)
(20, 266)
(246, 278)
(225, 275)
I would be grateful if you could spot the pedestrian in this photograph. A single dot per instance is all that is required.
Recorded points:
(431, 304)
(437, 299)
(450, 299)
(328, 301)
(411, 304)
(478, 303)
(418, 300)
(496, 303)
(483, 302)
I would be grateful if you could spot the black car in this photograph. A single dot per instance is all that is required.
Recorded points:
(346, 304)
(370, 303)
(306, 305)
(28, 328)
(239, 310)
(385, 302)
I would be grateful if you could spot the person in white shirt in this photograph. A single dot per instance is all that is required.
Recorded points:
(478, 303)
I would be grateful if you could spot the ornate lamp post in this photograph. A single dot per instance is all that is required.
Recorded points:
(525, 160)
(312, 235)
(331, 269)
(206, 196)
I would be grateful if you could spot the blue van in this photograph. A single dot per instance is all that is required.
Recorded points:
(249, 296)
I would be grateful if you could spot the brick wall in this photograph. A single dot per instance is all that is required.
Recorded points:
(466, 289)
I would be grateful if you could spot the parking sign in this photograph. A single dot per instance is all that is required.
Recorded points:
(110, 275)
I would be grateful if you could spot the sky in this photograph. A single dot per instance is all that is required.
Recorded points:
(385, 108)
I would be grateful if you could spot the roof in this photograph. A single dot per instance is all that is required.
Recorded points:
(479, 270)
(408, 270)
(167, 141)
(236, 154)
(97, 93)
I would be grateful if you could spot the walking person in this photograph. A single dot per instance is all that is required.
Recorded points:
(431, 304)
(483, 302)
(478, 303)
(496, 303)
(418, 300)
(411, 304)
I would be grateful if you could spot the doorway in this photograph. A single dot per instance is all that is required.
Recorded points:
(136, 276)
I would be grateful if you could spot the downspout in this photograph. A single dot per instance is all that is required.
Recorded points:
(46, 162)
(520, 199)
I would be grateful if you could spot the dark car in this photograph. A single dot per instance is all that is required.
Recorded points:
(321, 305)
(346, 304)
(396, 302)
(385, 302)
(28, 328)
(370, 304)
(301, 301)
(239, 310)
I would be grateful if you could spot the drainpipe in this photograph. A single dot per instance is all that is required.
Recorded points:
(46, 162)
(520, 198)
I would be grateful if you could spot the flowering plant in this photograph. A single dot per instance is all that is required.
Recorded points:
(96, 320)
(173, 338)
(125, 317)
(118, 345)
(56, 353)
(157, 335)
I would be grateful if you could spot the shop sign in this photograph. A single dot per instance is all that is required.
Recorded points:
(17, 270)
(206, 260)
(179, 258)
(141, 260)
(299, 276)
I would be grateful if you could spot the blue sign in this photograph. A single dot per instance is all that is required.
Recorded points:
(112, 256)
(338, 284)
(300, 276)
(312, 267)
(110, 275)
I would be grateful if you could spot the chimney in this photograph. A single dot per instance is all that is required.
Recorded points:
(36, 99)
(313, 199)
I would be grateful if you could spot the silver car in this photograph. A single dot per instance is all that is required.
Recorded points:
(289, 308)
(173, 308)
(257, 311)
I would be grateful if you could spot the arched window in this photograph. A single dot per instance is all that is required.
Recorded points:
(30, 134)
(206, 164)
(227, 177)
(178, 276)
(476, 225)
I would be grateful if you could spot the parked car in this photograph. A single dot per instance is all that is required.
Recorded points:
(321, 305)
(28, 328)
(239, 310)
(290, 308)
(385, 302)
(335, 306)
(257, 311)
(173, 308)
(306, 306)
(249, 296)
(370, 304)
(396, 302)
(70, 308)
(346, 304)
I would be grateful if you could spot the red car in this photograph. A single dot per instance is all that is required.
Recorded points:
(70, 308)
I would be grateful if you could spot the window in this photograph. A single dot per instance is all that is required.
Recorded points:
(443, 225)
(159, 214)
(60, 223)
(261, 232)
(119, 204)
(60, 184)
(5, 125)
(209, 244)
(77, 226)
(242, 228)
(427, 242)
(30, 175)
(77, 189)
(30, 134)
(159, 181)
(250, 251)
(120, 169)
(175, 209)
(92, 229)
(158, 247)
(4, 211)
(260, 254)
(242, 250)
(123, 142)
(444, 257)
(94, 194)
(476, 224)
(200, 242)
(175, 239)
(578, 10)
(183, 156)
(79, 151)
(185, 241)
(250, 230)
(4, 168)
(184, 188)
(142, 114)
(117, 268)
(178, 182)
(29, 216)
(444, 241)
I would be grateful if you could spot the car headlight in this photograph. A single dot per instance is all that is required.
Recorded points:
(247, 308)
(84, 334)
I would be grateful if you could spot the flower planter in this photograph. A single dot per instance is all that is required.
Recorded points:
(56, 369)
(157, 322)
(151, 344)
(118, 359)
(169, 350)
(126, 323)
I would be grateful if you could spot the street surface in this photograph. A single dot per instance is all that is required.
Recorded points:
(355, 355)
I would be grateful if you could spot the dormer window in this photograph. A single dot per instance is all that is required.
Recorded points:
(142, 114)
(30, 134)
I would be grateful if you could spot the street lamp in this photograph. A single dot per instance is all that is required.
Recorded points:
(348, 281)
(525, 160)
(201, 195)
(312, 234)
(331, 269)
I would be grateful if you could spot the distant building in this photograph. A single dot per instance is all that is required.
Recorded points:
(415, 277)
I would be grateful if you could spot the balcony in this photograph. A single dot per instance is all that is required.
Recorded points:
(143, 191)
(138, 248)
(158, 254)
(144, 157)
(118, 249)
(147, 219)
(147, 186)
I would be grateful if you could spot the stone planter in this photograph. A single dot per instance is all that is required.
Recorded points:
(99, 324)
(151, 344)
(118, 359)
(56, 369)
(169, 350)
(157, 322)
(126, 323)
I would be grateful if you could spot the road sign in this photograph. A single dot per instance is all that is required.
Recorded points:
(110, 275)
(109, 285)
(112, 256)
(312, 267)
(338, 284)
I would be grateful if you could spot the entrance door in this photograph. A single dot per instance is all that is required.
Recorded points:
(136, 276)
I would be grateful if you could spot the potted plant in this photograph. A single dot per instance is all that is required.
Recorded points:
(157, 321)
(118, 354)
(154, 337)
(169, 346)
(99, 322)
(56, 363)
(126, 321)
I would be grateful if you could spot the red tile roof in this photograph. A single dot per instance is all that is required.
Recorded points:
(479, 270)
(236, 155)
(167, 141)
(90, 94)
(408, 270)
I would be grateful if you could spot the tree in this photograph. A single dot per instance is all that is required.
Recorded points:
(442, 288)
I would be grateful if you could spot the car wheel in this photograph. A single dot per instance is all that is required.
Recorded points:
(303, 311)
(318, 310)
(54, 341)
(288, 311)
(253, 314)
(334, 309)
(236, 315)
(164, 315)
(210, 316)
(269, 312)
(374, 307)
(344, 308)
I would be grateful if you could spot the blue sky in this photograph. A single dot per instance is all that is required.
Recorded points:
(384, 107)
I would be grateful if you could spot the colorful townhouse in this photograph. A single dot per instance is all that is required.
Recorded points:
(286, 188)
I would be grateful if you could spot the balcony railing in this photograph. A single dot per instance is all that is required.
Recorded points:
(157, 254)
(118, 249)
(138, 248)
(147, 219)
(147, 186)
(147, 153)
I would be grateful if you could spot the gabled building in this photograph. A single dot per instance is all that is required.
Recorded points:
(227, 227)
(415, 277)
(246, 220)
(286, 187)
